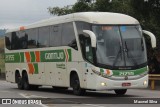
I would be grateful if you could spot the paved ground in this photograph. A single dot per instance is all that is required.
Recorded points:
(9, 90)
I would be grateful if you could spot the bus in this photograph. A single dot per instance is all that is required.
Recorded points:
(83, 51)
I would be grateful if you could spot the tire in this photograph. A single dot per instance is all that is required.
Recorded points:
(120, 91)
(77, 90)
(18, 80)
(59, 88)
(26, 84)
(20, 83)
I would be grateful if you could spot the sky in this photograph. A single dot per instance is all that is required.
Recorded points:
(15, 13)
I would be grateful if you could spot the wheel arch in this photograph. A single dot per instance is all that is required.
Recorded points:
(72, 73)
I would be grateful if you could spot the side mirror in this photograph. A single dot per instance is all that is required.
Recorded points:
(152, 36)
(92, 36)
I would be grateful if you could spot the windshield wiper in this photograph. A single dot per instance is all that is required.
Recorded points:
(131, 56)
(119, 53)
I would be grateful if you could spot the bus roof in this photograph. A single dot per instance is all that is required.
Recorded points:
(90, 17)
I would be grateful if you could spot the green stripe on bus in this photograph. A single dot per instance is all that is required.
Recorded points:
(35, 68)
(33, 58)
(69, 54)
(55, 56)
(45, 56)
(22, 56)
(135, 72)
(12, 57)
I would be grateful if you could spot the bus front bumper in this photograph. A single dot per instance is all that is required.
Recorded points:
(108, 84)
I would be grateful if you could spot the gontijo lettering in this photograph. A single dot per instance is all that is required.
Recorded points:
(54, 55)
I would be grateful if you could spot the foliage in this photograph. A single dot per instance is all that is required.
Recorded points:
(60, 11)
(81, 7)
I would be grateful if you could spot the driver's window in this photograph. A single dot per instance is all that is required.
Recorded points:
(86, 48)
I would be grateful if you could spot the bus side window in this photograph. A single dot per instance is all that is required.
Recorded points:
(68, 36)
(23, 39)
(55, 35)
(8, 41)
(32, 38)
(73, 44)
(14, 41)
(43, 37)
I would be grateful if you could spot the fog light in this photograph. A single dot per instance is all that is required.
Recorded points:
(103, 84)
(145, 82)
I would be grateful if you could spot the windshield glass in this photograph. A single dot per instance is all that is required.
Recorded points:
(120, 46)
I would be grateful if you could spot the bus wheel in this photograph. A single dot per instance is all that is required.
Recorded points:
(120, 91)
(77, 90)
(18, 80)
(20, 83)
(25, 82)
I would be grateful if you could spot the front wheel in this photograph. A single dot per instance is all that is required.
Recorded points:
(77, 90)
(120, 91)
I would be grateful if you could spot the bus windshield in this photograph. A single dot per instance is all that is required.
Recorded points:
(120, 46)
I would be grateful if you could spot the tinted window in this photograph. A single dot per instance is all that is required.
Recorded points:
(15, 43)
(32, 38)
(55, 37)
(23, 38)
(8, 41)
(43, 38)
(82, 26)
(68, 35)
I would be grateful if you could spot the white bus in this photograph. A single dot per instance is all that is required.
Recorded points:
(85, 51)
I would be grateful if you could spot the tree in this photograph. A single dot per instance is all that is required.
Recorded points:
(81, 7)
(60, 11)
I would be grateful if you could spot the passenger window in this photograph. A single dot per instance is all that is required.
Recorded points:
(8, 41)
(15, 42)
(43, 37)
(23, 38)
(55, 35)
(68, 35)
(32, 37)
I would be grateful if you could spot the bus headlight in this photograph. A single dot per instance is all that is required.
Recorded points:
(145, 82)
(103, 84)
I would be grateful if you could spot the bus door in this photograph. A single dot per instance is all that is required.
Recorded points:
(88, 57)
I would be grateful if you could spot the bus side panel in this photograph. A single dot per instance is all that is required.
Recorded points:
(10, 73)
(32, 78)
(79, 68)
(50, 73)
(60, 71)
(77, 64)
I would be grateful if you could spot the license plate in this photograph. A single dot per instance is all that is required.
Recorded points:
(126, 84)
